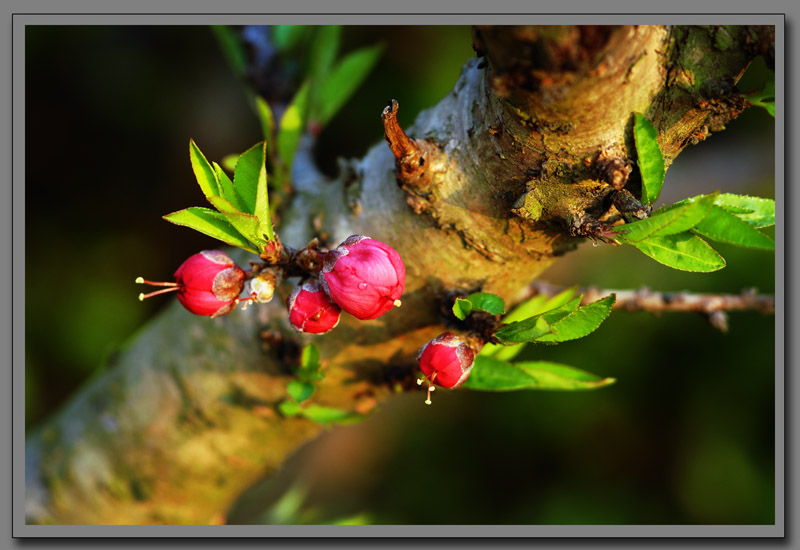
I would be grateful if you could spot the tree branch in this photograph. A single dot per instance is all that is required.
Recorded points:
(711, 306)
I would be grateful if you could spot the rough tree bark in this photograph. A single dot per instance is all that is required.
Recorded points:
(522, 157)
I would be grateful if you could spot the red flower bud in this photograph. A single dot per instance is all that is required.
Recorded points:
(446, 360)
(364, 277)
(311, 310)
(208, 283)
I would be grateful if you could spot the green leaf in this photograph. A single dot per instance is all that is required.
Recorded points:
(581, 322)
(507, 353)
(291, 127)
(757, 212)
(231, 47)
(479, 301)
(210, 223)
(490, 374)
(330, 415)
(324, 49)
(765, 97)
(344, 79)
(246, 224)
(523, 331)
(289, 408)
(246, 175)
(485, 301)
(309, 364)
(226, 187)
(674, 219)
(203, 171)
(725, 227)
(262, 200)
(300, 391)
(286, 37)
(461, 308)
(683, 251)
(266, 119)
(649, 158)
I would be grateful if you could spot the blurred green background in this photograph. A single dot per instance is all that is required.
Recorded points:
(686, 435)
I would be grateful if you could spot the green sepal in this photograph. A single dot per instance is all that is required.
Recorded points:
(491, 374)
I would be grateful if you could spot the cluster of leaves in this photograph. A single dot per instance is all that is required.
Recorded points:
(302, 387)
(243, 215)
(328, 81)
(544, 320)
(674, 235)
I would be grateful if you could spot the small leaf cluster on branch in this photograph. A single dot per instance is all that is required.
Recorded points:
(673, 235)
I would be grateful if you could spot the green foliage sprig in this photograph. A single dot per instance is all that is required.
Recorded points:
(553, 320)
(675, 235)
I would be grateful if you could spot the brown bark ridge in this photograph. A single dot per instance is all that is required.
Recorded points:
(520, 159)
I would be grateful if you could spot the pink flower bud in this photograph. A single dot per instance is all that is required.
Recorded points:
(311, 310)
(446, 361)
(364, 277)
(208, 283)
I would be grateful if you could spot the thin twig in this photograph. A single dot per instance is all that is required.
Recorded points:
(713, 307)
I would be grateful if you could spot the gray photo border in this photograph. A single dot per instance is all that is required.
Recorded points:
(162, 13)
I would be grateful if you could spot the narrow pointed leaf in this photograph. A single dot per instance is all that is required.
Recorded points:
(210, 223)
(206, 177)
(246, 224)
(759, 212)
(226, 187)
(668, 221)
(262, 199)
(246, 174)
(267, 121)
(291, 127)
(231, 47)
(649, 158)
(344, 79)
(581, 322)
(286, 37)
(300, 391)
(330, 415)
(725, 227)
(490, 374)
(461, 308)
(523, 331)
(684, 251)
(485, 301)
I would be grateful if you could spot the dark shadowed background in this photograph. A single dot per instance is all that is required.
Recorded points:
(686, 435)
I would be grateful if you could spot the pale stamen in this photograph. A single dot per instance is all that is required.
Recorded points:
(142, 296)
(141, 281)
(398, 303)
